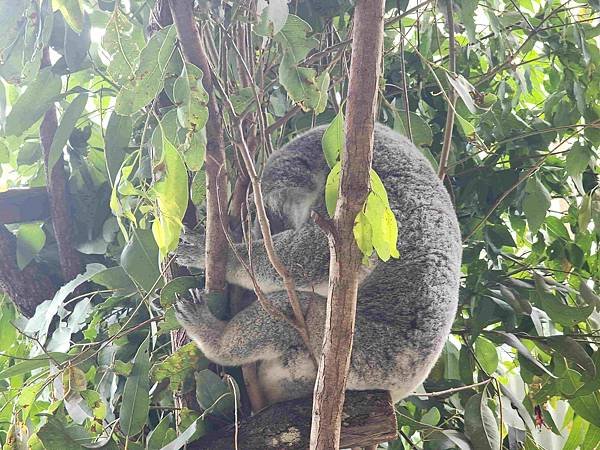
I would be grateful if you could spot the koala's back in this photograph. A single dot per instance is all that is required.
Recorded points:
(405, 306)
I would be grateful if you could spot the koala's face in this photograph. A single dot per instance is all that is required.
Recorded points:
(190, 252)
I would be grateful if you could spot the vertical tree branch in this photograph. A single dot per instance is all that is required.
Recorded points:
(56, 184)
(449, 126)
(346, 257)
(216, 175)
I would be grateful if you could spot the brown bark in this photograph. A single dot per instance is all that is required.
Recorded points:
(345, 256)
(56, 184)
(28, 287)
(216, 175)
(368, 419)
(24, 205)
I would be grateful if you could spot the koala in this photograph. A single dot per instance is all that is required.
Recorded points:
(405, 306)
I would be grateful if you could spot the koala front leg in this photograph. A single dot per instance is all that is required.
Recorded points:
(252, 335)
(304, 252)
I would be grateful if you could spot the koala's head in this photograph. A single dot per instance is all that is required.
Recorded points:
(190, 251)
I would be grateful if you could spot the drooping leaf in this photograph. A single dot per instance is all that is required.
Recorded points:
(30, 240)
(65, 128)
(116, 141)
(486, 354)
(139, 259)
(172, 198)
(72, 12)
(273, 14)
(136, 401)
(333, 139)
(148, 79)
(536, 203)
(213, 394)
(332, 187)
(480, 424)
(123, 41)
(33, 103)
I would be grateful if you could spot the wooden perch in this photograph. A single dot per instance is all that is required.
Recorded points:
(24, 205)
(368, 419)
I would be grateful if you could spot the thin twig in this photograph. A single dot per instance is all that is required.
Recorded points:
(448, 128)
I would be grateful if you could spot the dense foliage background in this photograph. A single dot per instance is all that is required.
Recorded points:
(95, 365)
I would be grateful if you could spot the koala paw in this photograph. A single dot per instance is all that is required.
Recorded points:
(191, 309)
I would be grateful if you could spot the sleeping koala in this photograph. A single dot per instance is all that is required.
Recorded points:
(405, 306)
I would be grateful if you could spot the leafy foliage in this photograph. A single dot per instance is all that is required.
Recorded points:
(98, 370)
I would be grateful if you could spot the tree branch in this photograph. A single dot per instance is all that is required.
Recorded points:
(368, 419)
(216, 176)
(346, 257)
(56, 184)
(449, 126)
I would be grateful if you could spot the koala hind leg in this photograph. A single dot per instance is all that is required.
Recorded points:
(251, 335)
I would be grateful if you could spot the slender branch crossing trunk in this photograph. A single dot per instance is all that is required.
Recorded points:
(216, 175)
(346, 258)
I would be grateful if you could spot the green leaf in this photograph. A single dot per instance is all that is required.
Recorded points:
(26, 366)
(123, 41)
(195, 430)
(172, 198)
(333, 139)
(577, 434)
(536, 203)
(116, 141)
(561, 313)
(294, 38)
(573, 351)
(213, 394)
(588, 407)
(514, 342)
(115, 278)
(301, 83)
(191, 99)
(363, 234)
(57, 434)
(139, 259)
(588, 294)
(592, 438)
(177, 366)
(422, 136)
(65, 128)
(464, 89)
(77, 45)
(160, 436)
(486, 354)
(180, 285)
(198, 188)
(332, 187)
(136, 401)
(273, 15)
(384, 225)
(33, 103)
(72, 12)
(480, 424)
(30, 240)
(585, 213)
(148, 79)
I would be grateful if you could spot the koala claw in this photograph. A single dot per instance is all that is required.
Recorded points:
(191, 307)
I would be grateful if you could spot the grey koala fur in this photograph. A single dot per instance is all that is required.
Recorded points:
(405, 306)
